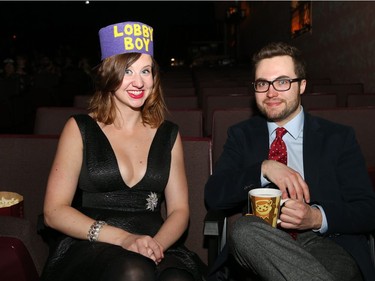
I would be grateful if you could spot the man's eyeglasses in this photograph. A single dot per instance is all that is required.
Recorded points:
(281, 85)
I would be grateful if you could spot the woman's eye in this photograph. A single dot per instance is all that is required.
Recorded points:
(146, 71)
(128, 71)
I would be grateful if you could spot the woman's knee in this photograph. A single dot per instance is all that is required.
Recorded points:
(130, 268)
(175, 274)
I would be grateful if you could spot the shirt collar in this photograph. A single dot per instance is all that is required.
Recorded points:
(294, 126)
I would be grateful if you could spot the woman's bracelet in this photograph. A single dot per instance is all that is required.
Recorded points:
(94, 230)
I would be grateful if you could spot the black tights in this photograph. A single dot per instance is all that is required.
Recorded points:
(134, 268)
(175, 274)
(139, 268)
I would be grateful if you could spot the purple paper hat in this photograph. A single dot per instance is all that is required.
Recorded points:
(126, 37)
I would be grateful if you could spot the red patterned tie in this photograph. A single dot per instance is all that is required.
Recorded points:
(278, 148)
(278, 152)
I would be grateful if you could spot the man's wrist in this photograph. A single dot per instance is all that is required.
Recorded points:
(322, 220)
(318, 219)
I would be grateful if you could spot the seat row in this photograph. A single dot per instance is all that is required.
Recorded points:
(50, 121)
(212, 101)
(31, 156)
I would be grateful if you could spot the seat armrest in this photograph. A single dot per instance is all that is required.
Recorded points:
(371, 240)
(25, 231)
(215, 230)
(213, 223)
(216, 223)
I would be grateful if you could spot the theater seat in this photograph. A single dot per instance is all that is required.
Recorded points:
(16, 263)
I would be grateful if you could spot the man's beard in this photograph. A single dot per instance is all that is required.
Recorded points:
(282, 115)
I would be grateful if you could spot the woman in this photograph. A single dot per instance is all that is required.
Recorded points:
(125, 159)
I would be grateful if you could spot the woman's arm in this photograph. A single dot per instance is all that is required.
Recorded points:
(177, 200)
(61, 187)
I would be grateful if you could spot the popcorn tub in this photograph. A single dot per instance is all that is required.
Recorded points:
(11, 204)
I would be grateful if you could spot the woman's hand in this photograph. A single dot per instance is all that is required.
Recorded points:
(144, 245)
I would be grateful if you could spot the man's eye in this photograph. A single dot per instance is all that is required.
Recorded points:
(262, 84)
(283, 82)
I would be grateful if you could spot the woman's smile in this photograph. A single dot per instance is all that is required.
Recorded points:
(136, 94)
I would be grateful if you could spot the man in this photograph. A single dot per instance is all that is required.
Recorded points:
(332, 202)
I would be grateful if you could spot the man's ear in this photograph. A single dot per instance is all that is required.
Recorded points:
(302, 86)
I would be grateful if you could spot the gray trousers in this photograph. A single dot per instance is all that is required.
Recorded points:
(273, 255)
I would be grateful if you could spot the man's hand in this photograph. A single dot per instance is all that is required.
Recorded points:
(296, 214)
(289, 181)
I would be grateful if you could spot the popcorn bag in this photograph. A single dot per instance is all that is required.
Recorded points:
(11, 204)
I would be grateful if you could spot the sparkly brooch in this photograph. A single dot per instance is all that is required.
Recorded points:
(152, 201)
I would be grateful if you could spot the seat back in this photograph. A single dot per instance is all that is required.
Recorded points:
(177, 90)
(358, 118)
(25, 165)
(313, 81)
(216, 89)
(181, 102)
(81, 101)
(361, 100)
(198, 166)
(340, 89)
(318, 100)
(222, 120)
(51, 120)
(215, 102)
(190, 121)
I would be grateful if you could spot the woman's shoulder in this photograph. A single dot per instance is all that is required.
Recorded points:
(82, 117)
(169, 130)
(83, 120)
(170, 125)
(167, 127)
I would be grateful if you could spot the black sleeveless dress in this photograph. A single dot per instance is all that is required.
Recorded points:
(103, 195)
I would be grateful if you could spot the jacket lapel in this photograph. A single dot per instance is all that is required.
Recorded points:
(312, 144)
(260, 139)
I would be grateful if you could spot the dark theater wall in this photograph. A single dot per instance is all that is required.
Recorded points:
(341, 45)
